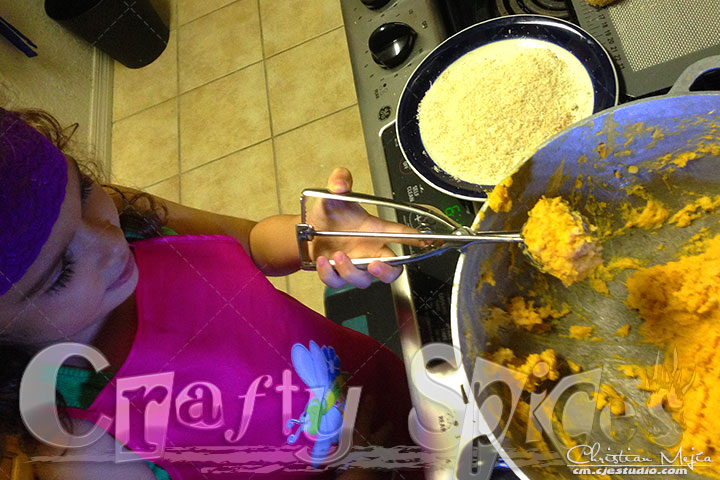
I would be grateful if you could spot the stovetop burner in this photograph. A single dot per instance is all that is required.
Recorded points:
(460, 14)
(552, 8)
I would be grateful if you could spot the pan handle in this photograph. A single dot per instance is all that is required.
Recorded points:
(693, 72)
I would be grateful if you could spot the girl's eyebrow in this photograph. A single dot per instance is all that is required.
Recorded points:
(45, 277)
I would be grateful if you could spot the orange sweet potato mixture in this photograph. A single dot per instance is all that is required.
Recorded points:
(679, 303)
(558, 239)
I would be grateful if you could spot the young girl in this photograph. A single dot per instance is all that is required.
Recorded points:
(243, 364)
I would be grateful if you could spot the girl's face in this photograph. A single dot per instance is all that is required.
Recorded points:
(83, 272)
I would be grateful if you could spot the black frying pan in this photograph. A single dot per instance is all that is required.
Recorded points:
(565, 34)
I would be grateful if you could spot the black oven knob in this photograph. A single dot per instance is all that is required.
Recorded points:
(391, 44)
(375, 4)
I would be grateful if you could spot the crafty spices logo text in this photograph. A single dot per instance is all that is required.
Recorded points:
(576, 421)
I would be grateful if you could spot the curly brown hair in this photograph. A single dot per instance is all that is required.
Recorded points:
(141, 217)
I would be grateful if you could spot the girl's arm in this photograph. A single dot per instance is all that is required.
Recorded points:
(272, 242)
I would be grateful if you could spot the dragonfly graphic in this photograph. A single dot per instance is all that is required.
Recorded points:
(319, 368)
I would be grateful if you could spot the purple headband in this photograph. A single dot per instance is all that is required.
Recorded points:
(33, 178)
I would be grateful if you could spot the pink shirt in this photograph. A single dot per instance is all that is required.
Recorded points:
(223, 362)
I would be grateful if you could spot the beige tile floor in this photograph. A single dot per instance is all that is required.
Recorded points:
(252, 101)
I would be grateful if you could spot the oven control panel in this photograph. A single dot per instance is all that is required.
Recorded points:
(386, 44)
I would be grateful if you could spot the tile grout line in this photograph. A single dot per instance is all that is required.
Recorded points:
(226, 155)
(177, 100)
(267, 101)
(204, 14)
(319, 118)
(154, 184)
(109, 174)
(225, 75)
(280, 52)
(234, 71)
(247, 147)
(272, 133)
(144, 109)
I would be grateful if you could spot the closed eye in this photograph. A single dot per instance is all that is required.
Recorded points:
(86, 187)
(66, 274)
(67, 271)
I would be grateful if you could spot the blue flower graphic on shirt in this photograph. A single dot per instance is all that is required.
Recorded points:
(319, 368)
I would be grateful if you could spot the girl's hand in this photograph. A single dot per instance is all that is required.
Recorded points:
(350, 216)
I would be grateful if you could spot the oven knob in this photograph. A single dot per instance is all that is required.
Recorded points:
(375, 4)
(391, 44)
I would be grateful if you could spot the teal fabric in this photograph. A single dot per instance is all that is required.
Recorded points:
(79, 387)
(159, 472)
(132, 236)
(359, 324)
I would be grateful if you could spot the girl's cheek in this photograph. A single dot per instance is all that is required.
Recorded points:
(85, 299)
(57, 316)
(104, 206)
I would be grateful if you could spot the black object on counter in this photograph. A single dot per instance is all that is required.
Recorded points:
(130, 31)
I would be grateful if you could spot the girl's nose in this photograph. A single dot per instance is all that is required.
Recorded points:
(106, 240)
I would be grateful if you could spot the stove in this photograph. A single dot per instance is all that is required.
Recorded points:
(458, 15)
(387, 39)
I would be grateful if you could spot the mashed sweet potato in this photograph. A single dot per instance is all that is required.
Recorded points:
(538, 367)
(679, 303)
(499, 199)
(653, 215)
(524, 314)
(694, 210)
(557, 238)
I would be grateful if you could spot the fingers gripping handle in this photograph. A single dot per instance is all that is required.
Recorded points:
(305, 232)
